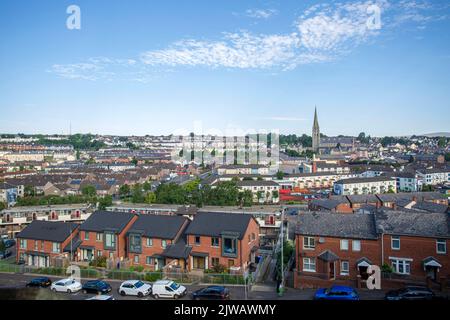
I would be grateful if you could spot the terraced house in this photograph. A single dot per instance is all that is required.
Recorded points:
(152, 237)
(42, 242)
(104, 233)
(338, 248)
(230, 240)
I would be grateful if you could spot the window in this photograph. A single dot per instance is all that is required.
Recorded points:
(136, 259)
(36, 245)
(309, 264)
(253, 236)
(395, 243)
(135, 243)
(214, 242)
(345, 268)
(98, 236)
(86, 235)
(344, 245)
(215, 262)
(111, 255)
(441, 246)
(197, 240)
(230, 263)
(56, 247)
(23, 243)
(99, 253)
(149, 242)
(42, 245)
(309, 243)
(356, 245)
(229, 246)
(401, 266)
(163, 244)
(110, 240)
(148, 260)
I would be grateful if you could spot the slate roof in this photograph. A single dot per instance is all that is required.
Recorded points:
(328, 204)
(356, 226)
(364, 180)
(328, 256)
(362, 198)
(430, 207)
(158, 226)
(55, 231)
(100, 221)
(423, 224)
(177, 250)
(213, 224)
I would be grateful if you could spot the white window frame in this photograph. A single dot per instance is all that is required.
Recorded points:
(56, 247)
(163, 244)
(307, 243)
(23, 243)
(136, 259)
(359, 245)
(149, 242)
(397, 263)
(311, 262)
(395, 238)
(345, 271)
(441, 242)
(342, 246)
(98, 237)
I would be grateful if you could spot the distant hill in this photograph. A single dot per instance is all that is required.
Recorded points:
(437, 134)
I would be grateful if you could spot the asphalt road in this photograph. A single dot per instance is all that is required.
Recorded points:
(18, 281)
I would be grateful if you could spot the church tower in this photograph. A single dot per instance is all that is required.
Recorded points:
(316, 134)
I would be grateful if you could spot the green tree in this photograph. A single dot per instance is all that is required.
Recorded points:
(447, 157)
(442, 143)
(29, 191)
(88, 191)
(146, 186)
(124, 191)
(2, 205)
(137, 195)
(280, 175)
(134, 161)
(104, 202)
(150, 198)
(2, 246)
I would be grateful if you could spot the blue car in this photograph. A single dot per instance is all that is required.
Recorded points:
(337, 293)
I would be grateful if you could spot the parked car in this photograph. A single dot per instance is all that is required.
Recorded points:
(101, 297)
(42, 282)
(9, 243)
(5, 254)
(168, 289)
(410, 293)
(337, 293)
(135, 288)
(66, 285)
(212, 293)
(96, 286)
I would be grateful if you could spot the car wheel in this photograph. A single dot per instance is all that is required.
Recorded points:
(54, 289)
(140, 294)
(69, 291)
(156, 296)
(84, 291)
(122, 293)
(176, 297)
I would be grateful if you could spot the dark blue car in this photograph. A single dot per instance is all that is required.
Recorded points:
(337, 293)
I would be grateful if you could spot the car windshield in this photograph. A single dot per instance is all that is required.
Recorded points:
(174, 286)
(69, 282)
(138, 284)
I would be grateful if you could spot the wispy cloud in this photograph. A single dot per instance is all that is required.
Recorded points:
(322, 33)
(261, 13)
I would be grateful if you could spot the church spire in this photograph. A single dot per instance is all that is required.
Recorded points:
(316, 133)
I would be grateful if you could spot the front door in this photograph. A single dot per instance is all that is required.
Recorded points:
(199, 263)
(431, 272)
(332, 271)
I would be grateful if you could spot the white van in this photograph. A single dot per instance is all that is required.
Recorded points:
(168, 289)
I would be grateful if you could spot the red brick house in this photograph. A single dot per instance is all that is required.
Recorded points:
(226, 239)
(333, 247)
(151, 236)
(337, 248)
(104, 233)
(42, 241)
(415, 244)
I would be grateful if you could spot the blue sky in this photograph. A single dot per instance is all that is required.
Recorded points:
(156, 67)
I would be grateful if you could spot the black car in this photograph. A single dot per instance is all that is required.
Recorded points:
(42, 282)
(212, 293)
(410, 293)
(9, 243)
(5, 254)
(96, 286)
